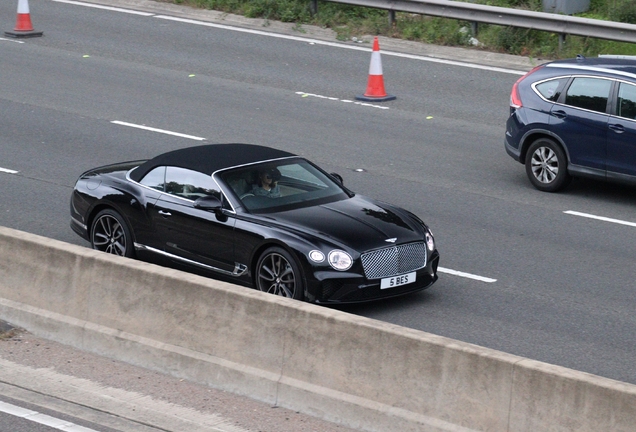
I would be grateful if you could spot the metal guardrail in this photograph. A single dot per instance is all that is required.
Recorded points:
(477, 13)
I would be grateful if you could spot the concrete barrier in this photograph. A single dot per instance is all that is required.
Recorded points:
(362, 373)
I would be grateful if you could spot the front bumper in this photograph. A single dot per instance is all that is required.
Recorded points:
(360, 289)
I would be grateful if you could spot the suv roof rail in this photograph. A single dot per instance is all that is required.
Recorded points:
(617, 56)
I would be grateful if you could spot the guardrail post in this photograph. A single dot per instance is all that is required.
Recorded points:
(313, 7)
(391, 18)
(474, 28)
(561, 40)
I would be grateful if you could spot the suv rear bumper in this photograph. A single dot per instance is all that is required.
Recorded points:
(514, 153)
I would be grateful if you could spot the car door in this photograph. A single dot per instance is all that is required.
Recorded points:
(145, 231)
(203, 238)
(621, 139)
(580, 120)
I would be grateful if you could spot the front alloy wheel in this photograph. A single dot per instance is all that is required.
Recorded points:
(111, 235)
(277, 273)
(546, 166)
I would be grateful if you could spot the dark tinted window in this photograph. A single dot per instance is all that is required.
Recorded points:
(626, 101)
(551, 90)
(589, 93)
(155, 178)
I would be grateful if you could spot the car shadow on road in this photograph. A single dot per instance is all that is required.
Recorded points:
(602, 191)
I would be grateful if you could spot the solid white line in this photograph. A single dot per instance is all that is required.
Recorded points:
(466, 275)
(43, 419)
(601, 218)
(110, 8)
(340, 45)
(157, 130)
(8, 171)
(304, 94)
(11, 40)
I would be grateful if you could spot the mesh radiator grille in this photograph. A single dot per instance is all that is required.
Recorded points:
(394, 260)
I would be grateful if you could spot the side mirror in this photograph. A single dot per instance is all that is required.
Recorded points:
(338, 177)
(208, 203)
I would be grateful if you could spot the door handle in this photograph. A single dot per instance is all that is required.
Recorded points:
(559, 114)
(164, 213)
(618, 128)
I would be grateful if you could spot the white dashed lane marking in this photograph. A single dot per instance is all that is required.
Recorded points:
(601, 218)
(163, 131)
(303, 94)
(466, 275)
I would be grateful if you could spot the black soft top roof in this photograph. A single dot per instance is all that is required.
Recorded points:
(210, 158)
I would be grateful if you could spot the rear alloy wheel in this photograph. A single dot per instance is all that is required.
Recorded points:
(110, 234)
(546, 166)
(278, 273)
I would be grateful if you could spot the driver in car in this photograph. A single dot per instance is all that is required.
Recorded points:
(267, 184)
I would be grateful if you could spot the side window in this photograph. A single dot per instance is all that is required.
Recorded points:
(626, 104)
(155, 179)
(190, 184)
(589, 93)
(551, 90)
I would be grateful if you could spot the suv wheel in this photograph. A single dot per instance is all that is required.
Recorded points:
(546, 166)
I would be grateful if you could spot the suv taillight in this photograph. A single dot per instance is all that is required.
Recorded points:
(515, 96)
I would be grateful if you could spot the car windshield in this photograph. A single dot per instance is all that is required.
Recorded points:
(282, 185)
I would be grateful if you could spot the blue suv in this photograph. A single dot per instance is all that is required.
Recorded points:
(575, 117)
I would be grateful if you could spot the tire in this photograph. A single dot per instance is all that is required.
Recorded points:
(546, 166)
(278, 273)
(110, 234)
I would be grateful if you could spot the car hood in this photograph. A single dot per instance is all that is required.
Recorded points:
(359, 222)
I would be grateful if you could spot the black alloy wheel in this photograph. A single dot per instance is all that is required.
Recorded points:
(278, 273)
(110, 234)
(546, 166)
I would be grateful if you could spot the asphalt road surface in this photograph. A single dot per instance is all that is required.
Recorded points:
(544, 276)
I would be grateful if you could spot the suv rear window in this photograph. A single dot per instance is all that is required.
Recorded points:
(551, 90)
(589, 93)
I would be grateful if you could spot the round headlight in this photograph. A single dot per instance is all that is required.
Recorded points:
(316, 256)
(340, 260)
(430, 242)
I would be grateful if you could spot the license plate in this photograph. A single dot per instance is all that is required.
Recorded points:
(397, 280)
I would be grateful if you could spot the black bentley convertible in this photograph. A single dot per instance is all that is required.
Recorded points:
(259, 216)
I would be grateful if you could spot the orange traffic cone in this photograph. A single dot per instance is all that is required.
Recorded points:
(375, 87)
(23, 26)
